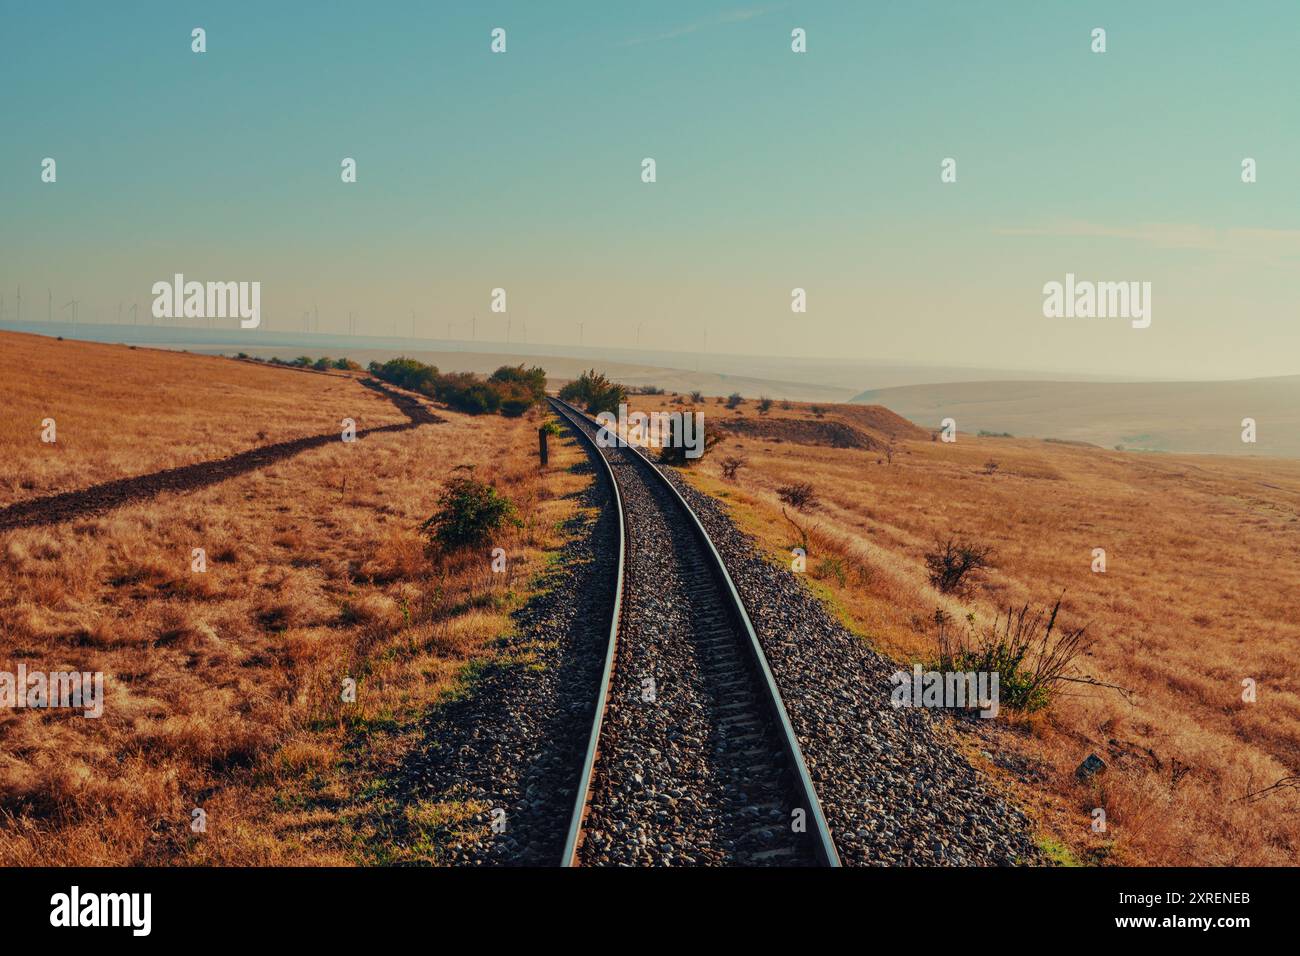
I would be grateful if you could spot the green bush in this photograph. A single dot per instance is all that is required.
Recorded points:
(531, 380)
(469, 511)
(515, 400)
(409, 374)
(511, 390)
(594, 392)
(1031, 656)
(466, 392)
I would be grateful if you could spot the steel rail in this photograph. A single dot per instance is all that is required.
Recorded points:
(602, 701)
(824, 847)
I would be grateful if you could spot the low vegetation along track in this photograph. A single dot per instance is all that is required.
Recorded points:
(692, 759)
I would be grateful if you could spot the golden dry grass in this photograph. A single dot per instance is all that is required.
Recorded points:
(224, 688)
(122, 411)
(1203, 563)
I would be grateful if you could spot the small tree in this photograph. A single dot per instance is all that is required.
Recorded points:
(468, 512)
(764, 405)
(697, 397)
(735, 400)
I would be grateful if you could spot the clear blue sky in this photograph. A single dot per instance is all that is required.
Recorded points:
(775, 170)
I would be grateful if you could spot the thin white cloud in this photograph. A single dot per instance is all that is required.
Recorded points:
(732, 16)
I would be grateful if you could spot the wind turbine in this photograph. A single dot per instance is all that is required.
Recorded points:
(580, 325)
(135, 307)
(20, 303)
(49, 306)
(72, 303)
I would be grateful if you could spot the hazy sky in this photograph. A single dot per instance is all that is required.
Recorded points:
(775, 170)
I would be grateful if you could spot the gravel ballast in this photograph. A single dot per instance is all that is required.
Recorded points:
(894, 791)
(690, 769)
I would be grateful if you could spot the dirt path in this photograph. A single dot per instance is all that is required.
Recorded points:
(53, 509)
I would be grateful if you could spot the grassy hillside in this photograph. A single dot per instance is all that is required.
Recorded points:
(1191, 417)
(122, 411)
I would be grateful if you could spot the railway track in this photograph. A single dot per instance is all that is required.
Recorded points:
(691, 758)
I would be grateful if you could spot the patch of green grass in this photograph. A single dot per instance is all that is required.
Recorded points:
(483, 601)
(1057, 853)
(419, 832)
(386, 722)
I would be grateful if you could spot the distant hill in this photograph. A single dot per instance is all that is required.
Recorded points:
(1193, 417)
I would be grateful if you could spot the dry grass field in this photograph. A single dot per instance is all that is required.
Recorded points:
(1203, 562)
(224, 688)
(121, 411)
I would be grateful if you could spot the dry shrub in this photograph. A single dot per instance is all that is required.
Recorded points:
(1031, 656)
(800, 495)
(952, 565)
(730, 466)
